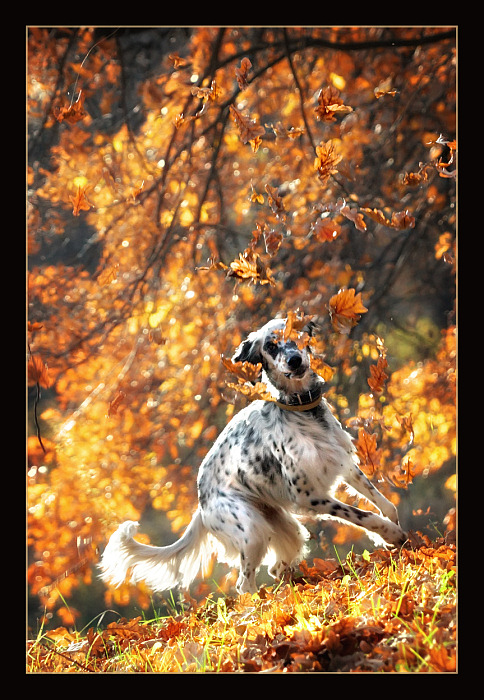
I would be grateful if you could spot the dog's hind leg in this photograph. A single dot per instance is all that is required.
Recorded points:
(242, 530)
(287, 542)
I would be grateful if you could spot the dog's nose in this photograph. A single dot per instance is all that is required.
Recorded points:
(294, 361)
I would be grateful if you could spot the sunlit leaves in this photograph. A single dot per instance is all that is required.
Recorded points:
(159, 239)
(381, 611)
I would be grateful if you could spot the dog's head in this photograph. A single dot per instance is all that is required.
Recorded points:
(285, 362)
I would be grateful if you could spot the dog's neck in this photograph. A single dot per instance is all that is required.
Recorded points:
(306, 398)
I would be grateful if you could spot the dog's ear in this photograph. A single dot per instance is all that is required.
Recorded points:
(248, 351)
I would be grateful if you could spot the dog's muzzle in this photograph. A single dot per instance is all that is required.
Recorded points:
(295, 363)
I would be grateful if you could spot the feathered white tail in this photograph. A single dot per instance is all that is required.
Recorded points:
(160, 567)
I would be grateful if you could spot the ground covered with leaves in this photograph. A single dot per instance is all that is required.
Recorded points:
(385, 611)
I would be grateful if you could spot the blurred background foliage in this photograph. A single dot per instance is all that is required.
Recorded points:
(184, 186)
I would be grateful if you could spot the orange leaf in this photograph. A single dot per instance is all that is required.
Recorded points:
(367, 451)
(321, 368)
(253, 393)
(275, 202)
(79, 200)
(378, 376)
(250, 267)
(402, 219)
(108, 275)
(329, 104)
(354, 216)
(243, 370)
(325, 230)
(37, 372)
(73, 112)
(326, 160)
(242, 72)
(207, 93)
(344, 309)
(115, 404)
(248, 129)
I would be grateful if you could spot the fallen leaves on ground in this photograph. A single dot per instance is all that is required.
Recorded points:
(385, 611)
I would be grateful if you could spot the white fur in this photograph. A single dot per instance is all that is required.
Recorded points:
(267, 467)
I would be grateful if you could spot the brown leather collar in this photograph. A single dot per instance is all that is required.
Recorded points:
(300, 406)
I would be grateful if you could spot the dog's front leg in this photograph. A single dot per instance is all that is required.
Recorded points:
(389, 531)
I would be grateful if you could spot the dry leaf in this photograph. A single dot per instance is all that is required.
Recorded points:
(38, 372)
(330, 104)
(72, 113)
(378, 376)
(242, 72)
(326, 160)
(243, 370)
(248, 129)
(345, 308)
(79, 200)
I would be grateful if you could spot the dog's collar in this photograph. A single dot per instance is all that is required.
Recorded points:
(301, 405)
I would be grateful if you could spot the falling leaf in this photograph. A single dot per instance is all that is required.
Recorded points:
(250, 267)
(377, 215)
(207, 93)
(248, 129)
(325, 230)
(38, 372)
(253, 393)
(281, 132)
(330, 104)
(242, 72)
(275, 202)
(415, 179)
(345, 308)
(322, 369)
(326, 160)
(378, 375)
(384, 88)
(79, 200)
(272, 241)
(256, 196)
(72, 113)
(355, 216)
(406, 474)
(367, 451)
(213, 265)
(296, 321)
(108, 275)
(115, 403)
(246, 371)
(178, 61)
(402, 220)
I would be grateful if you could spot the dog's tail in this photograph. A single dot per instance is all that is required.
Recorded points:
(160, 567)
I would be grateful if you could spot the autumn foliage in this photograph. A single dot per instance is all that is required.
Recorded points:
(184, 189)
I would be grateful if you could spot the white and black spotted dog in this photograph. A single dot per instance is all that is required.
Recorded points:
(274, 461)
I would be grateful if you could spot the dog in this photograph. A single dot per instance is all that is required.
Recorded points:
(275, 461)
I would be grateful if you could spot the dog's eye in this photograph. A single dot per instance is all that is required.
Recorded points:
(271, 348)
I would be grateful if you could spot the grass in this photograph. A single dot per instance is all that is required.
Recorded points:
(385, 611)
